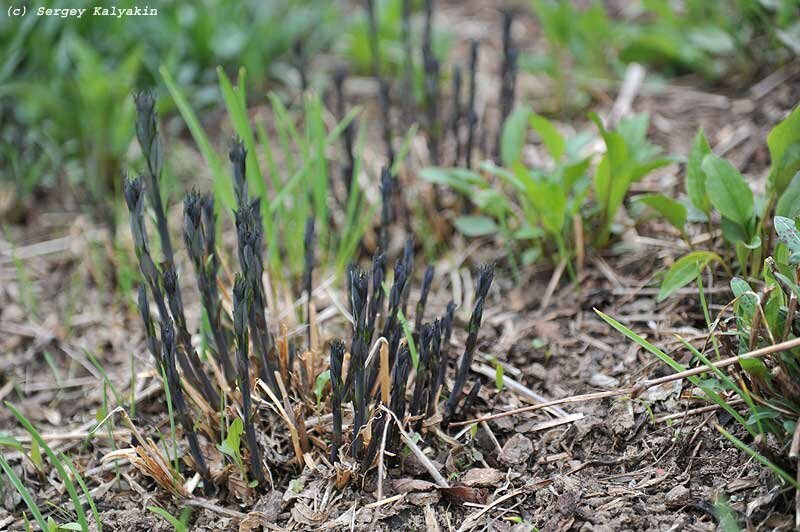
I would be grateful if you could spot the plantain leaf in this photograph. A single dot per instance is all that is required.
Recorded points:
(695, 177)
(512, 137)
(551, 138)
(784, 150)
(684, 271)
(476, 225)
(673, 210)
(728, 190)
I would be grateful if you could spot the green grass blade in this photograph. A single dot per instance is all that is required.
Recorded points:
(674, 364)
(759, 458)
(404, 148)
(82, 484)
(728, 382)
(234, 98)
(23, 492)
(169, 518)
(223, 186)
(665, 358)
(62, 473)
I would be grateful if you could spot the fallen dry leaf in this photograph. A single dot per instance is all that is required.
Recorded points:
(406, 485)
(482, 477)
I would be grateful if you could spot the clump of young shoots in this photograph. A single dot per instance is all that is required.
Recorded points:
(242, 295)
(485, 276)
(199, 236)
(176, 392)
(337, 394)
(150, 142)
(198, 377)
(250, 247)
(133, 189)
(358, 354)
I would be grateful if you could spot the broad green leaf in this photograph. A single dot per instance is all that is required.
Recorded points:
(549, 200)
(712, 39)
(746, 299)
(788, 235)
(728, 190)
(232, 443)
(531, 255)
(684, 271)
(789, 202)
(491, 202)
(551, 138)
(784, 150)
(673, 210)
(732, 231)
(476, 225)
(512, 137)
(695, 178)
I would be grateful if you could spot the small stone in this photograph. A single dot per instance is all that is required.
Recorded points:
(603, 381)
(538, 371)
(482, 477)
(677, 496)
(621, 418)
(517, 450)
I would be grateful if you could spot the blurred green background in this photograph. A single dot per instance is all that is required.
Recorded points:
(66, 112)
(66, 84)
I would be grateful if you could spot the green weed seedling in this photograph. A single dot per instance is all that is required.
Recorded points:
(538, 208)
(719, 191)
(765, 314)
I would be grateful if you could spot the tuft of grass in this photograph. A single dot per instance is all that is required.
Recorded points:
(26, 496)
(485, 277)
(60, 468)
(378, 310)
